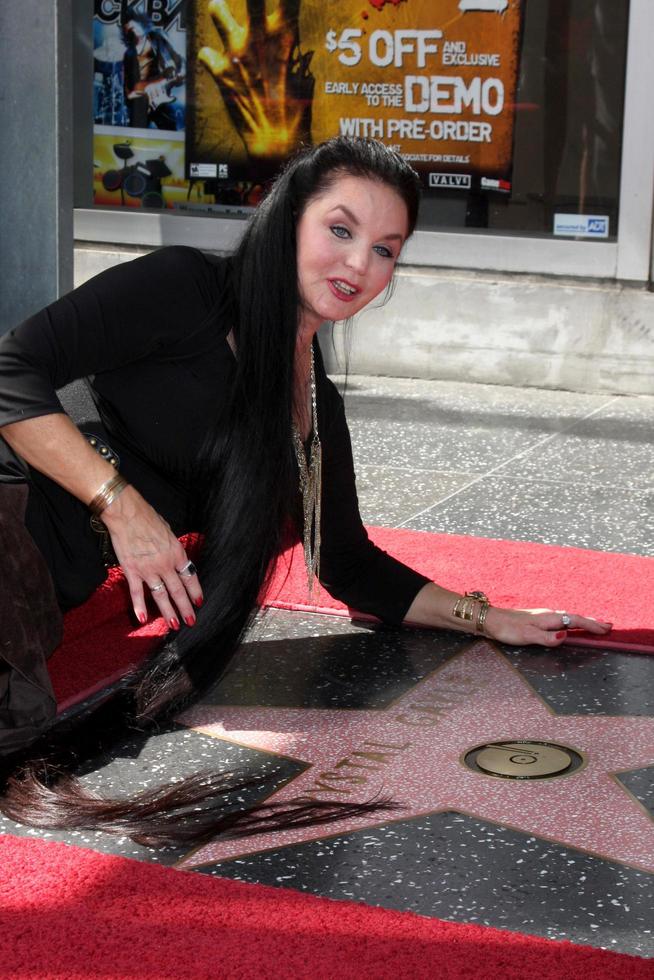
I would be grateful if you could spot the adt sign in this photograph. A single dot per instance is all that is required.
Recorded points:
(581, 225)
(598, 226)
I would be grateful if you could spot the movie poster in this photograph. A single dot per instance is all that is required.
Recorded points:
(139, 102)
(436, 79)
(139, 64)
(137, 170)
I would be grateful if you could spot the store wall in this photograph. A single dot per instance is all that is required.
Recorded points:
(546, 332)
(513, 330)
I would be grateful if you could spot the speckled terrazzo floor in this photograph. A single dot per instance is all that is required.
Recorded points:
(318, 700)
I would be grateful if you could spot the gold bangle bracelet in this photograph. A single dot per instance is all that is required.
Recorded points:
(481, 618)
(107, 493)
(466, 605)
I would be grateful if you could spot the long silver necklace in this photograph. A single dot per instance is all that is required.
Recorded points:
(310, 485)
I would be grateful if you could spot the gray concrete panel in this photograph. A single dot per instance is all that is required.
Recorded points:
(36, 156)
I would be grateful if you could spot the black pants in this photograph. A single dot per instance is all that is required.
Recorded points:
(30, 626)
(58, 524)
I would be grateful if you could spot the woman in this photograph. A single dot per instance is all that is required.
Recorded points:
(212, 393)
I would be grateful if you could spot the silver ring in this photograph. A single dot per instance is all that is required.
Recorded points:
(187, 570)
(157, 588)
(565, 621)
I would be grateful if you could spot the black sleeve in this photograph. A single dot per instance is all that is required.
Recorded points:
(126, 313)
(352, 568)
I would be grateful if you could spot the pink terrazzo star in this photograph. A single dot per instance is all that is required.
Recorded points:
(412, 751)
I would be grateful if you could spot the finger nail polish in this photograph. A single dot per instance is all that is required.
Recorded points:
(198, 602)
(142, 618)
(561, 635)
(190, 620)
(174, 623)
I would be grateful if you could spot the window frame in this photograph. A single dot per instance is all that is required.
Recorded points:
(629, 258)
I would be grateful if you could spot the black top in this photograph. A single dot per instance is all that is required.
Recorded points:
(150, 337)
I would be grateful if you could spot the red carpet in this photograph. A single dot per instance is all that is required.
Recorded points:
(68, 914)
(101, 640)
(607, 586)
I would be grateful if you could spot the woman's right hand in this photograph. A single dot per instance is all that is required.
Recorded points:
(148, 551)
(151, 556)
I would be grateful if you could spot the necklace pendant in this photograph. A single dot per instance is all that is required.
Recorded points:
(310, 480)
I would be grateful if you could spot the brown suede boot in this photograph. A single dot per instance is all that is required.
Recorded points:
(31, 626)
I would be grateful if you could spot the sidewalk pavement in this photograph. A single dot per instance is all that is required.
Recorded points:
(526, 464)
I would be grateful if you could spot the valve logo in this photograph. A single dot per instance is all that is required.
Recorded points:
(459, 182)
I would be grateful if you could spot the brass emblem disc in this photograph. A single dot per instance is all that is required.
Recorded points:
(523, 759)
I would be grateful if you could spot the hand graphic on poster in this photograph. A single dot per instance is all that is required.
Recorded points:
(262, 76)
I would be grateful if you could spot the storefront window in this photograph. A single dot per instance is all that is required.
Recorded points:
(568, 127)
(511, 110)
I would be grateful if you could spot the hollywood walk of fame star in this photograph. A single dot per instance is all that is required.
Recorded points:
(412, 750)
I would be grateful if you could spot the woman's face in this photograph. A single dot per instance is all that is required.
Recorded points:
(348, 240)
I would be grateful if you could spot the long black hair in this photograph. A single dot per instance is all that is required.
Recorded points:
(246, 484)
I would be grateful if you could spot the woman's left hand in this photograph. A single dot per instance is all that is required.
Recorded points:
(434, 607)
(545, 627)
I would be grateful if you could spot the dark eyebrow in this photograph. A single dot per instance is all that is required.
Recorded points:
(356, 222)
